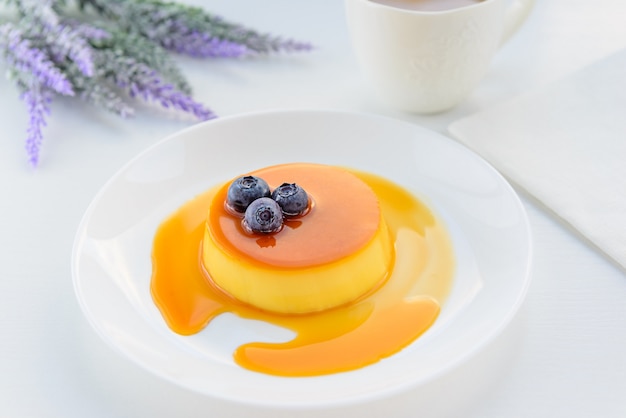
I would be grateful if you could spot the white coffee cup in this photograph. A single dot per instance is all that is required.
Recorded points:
(425, 61)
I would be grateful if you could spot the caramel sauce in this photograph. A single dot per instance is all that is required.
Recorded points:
(319, 237)
(363, 332)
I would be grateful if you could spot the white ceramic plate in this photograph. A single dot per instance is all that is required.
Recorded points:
(112, 266)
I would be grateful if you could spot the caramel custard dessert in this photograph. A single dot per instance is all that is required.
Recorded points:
(355, 265)
(329, 256)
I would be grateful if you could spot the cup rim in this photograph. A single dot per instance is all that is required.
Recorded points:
(374, 3)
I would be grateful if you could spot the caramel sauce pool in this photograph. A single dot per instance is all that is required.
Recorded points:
(363, 332)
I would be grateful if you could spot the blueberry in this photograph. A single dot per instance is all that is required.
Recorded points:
(263, 216)
(244, 191)
(292, 199)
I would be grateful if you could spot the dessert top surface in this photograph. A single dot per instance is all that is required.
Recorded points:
(344, 217)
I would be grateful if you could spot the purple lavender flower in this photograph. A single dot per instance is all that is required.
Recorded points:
(203, 45)
(142, 81)
(214, 37)
(61, 39)
(147, 85)
(37, 100)
(27, 59)
(169, 97)
(65, 41)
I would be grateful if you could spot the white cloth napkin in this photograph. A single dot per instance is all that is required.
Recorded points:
(566, 145)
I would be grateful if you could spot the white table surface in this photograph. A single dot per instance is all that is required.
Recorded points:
(563, 356)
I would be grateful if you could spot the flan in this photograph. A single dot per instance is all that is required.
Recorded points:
(338, 252)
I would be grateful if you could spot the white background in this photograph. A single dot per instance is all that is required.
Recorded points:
(562, 356)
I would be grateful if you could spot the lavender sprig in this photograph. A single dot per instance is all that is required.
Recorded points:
(37, 101)
(66, 42)
(190, 30)
(25, 58)
(142, 81)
